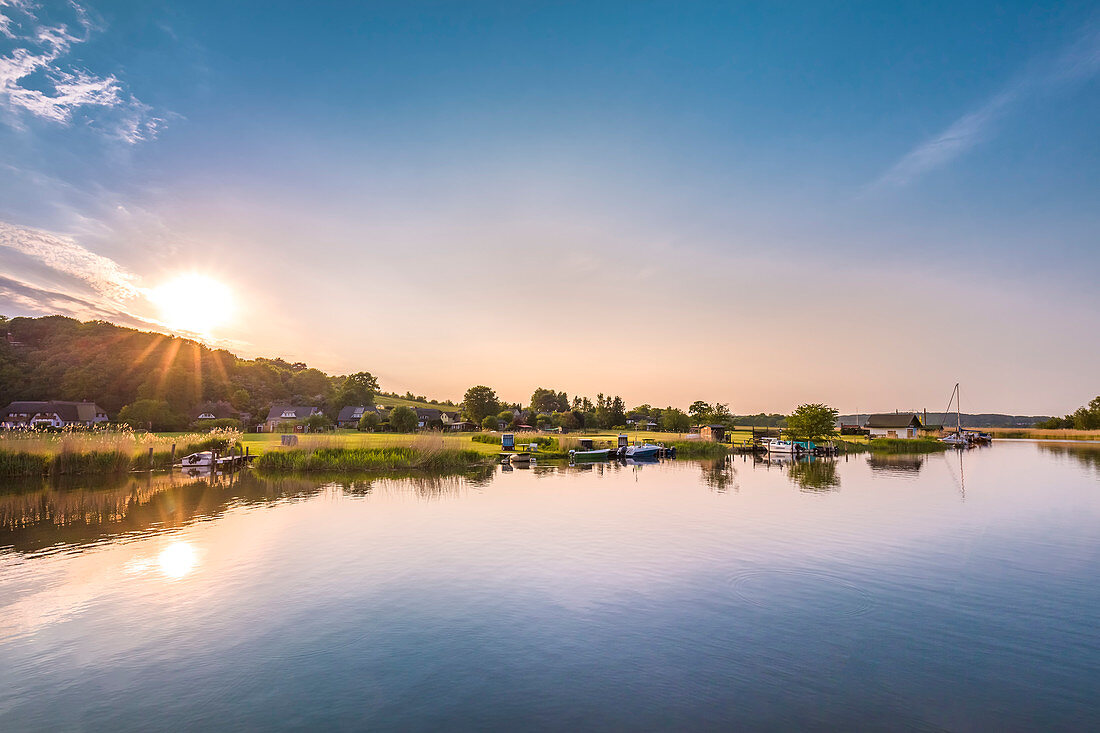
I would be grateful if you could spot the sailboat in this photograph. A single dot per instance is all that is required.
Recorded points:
(959, 439)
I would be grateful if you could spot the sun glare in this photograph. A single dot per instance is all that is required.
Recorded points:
(177, 560)
(194, 302)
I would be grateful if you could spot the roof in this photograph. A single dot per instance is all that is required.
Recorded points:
(354, 412)
(301, 412)
(67, 411)
(893, 420)
(219, 410)
(428, 413)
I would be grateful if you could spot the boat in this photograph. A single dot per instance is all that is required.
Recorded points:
(642, 451)
(516, 457)
(960, 439)
(775, 445)
(203, 459)
(598, 454)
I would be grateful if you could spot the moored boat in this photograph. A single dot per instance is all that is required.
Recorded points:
(775, 445)
(598, 454)
(642, 451)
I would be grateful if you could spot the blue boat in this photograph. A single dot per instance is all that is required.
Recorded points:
(642, 451)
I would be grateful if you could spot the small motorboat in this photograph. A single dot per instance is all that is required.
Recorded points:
(642, 451)
(598, 454)
(775, 445)
(518, 457)
(204, 459)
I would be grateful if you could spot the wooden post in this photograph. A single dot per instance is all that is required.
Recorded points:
(173, 461)
(150, 458)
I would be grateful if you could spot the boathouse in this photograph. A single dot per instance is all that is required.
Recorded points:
(894, 425)
(717, 433)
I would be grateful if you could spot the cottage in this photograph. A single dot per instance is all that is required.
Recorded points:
(894, 425)
(428, 418)
(350, 415)
(288, 414)
(210, 411)
(53, 414)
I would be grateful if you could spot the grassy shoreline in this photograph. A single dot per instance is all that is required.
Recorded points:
(97, 453)
(91, 453)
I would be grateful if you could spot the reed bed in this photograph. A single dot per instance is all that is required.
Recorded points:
(336, 453)
(1037, 434)
(699, 449)
(99, 452)
(893, 445)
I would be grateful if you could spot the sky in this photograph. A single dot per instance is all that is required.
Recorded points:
(761, 204)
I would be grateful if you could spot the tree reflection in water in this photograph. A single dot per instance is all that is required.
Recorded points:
(720, 475)
(815, 474)
(1087, 455)
(51, 514)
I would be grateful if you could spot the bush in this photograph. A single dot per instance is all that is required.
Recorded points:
(403, 419)
(491, 422)
(369, 422)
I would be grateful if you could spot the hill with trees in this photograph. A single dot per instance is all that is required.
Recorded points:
(60, 358)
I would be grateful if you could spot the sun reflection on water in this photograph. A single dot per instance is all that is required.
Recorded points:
(177, 560)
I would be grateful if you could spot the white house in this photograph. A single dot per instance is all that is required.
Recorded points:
(53, 414)
(894, 425)
(281, 414)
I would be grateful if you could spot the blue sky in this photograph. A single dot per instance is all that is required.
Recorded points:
(779, 203)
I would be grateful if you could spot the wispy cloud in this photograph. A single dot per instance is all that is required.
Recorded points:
(1077, 63)
(35, 80)
(65, 255)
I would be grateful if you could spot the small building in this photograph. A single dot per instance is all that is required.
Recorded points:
(462, 426)
(52, 414)
(210, 411)
(288, 415)
(716, 433)
(428, 418)
(350, 415)
(903, 425)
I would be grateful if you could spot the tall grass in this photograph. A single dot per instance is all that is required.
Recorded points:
(892, 445)
(1037, 434)
(699, 449)
(327, 453)
(30, 453)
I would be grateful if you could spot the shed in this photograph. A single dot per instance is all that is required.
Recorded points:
(717, 433)
(903, 425)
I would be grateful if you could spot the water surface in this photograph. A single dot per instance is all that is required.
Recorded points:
(895, 592)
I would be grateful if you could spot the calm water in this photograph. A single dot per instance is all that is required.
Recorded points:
(938, 592)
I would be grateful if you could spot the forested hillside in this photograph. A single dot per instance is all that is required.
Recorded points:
(61, 358)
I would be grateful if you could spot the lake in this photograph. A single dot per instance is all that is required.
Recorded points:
(952, 592)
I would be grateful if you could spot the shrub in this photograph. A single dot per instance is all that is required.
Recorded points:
(403, 419)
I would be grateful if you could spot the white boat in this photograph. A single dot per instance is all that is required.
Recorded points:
(598, 454)
(205, 459)
(960, 438)
(642, 451)
(775, 445)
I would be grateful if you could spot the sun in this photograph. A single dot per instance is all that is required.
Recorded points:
(194, 302)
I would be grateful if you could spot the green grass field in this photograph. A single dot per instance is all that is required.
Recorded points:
(260, 443)
(383, 401)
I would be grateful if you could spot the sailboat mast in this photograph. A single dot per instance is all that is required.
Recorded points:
(958, 410)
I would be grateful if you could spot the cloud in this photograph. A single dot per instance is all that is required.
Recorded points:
(1077, 63)
(29, 297)
(35, 80)
(64, 255)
